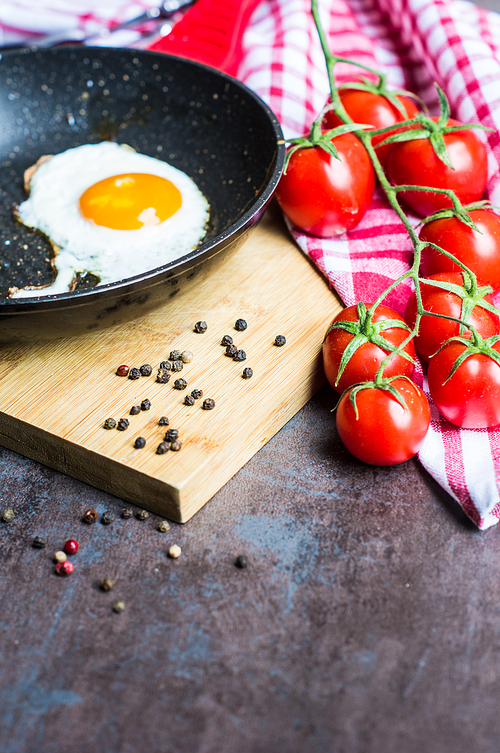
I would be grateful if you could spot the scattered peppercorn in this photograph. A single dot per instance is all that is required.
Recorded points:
(146, 369)
(163, 377)
(162, 448)
(174, 355)
(166, 365)
(127, 512)
(39, 543)
(107, 584)
(197, 394)
(8, 515)
(142, 514)
(200, 327)
(279, 341)
(177, 365)
(174, 551)
(118, 606)
(134, 374)
(171, 435)
(247, 373)
(226, 340)
(89, 516)
(110, 423)
(164, 526)
(240, 325)
(180, 384)
(189, 400)
(107, 518)
(176, 445)
(231, 350)
(186, 356)
(71, 546)
(122, 370)
(64, 568)
(146, 404)
(240, 355)
(60, 556)
(122, 424)
(163, 421)
(208, 404)
(139, 443)
(135, 409)
(241, 561)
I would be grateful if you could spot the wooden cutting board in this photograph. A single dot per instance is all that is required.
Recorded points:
(55, 397)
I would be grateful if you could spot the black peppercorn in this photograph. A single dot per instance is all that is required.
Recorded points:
(89, 516)
(146, 404)
(165, 365)
(197, 394)
(163, 421)
(241, 561)
(279, 340)
(135, 409)
(39, 543)
(109, 423)
(162, 448)
(231, 351)
(247, 373)
(189, 400)
(163, 376)
(107, 518)
(127, 513)
(208, 404)
(139, 443)
(174, 355)
(200, 327)
(146, 369)
(240, 325)
(122, 424)
(177, 365)
(107, 584)
(240, 355)
(226, 340)
(180, 384)
(176, 446)
(171, 435)
(142, 514)
(134, 374)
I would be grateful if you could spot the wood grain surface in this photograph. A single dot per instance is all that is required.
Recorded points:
(55, 397)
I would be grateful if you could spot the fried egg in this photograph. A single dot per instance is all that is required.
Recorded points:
(111, 211)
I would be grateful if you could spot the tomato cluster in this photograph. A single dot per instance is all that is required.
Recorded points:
(438, 168)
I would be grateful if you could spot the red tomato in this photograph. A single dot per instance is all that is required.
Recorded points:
(384, 433)
(480, 252)
(326, 196)
(365, 361)
(433, 331)
(375, 109)
(415, 163)
(471, 397)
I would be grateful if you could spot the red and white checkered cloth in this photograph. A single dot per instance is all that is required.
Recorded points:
(415, 42)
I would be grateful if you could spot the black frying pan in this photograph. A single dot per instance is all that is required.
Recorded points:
(201, 121)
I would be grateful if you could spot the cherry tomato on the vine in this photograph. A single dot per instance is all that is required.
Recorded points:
(374, 109)
(471, 397)
(433, 331)
(323, 195)
(480, 252)
(415, 163)
(365, 361)
(384, 433)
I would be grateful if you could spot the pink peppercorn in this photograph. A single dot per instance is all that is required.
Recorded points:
(71, 546)
(64, 568)
(123, 370)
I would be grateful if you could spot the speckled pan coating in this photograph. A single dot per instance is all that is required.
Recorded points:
(202, 121)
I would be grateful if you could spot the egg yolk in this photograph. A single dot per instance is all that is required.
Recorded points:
(131, 201)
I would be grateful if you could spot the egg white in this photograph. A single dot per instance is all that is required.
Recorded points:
(82, 246)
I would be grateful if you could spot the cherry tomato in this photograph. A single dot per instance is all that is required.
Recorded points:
(384, 433)
(480, 252)
(471, 397)
(375, 109)
(326, 196)
(415, 163)
(433, 331)
(365, 361)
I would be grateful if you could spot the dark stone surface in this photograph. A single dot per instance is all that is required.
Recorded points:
(366, 621)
